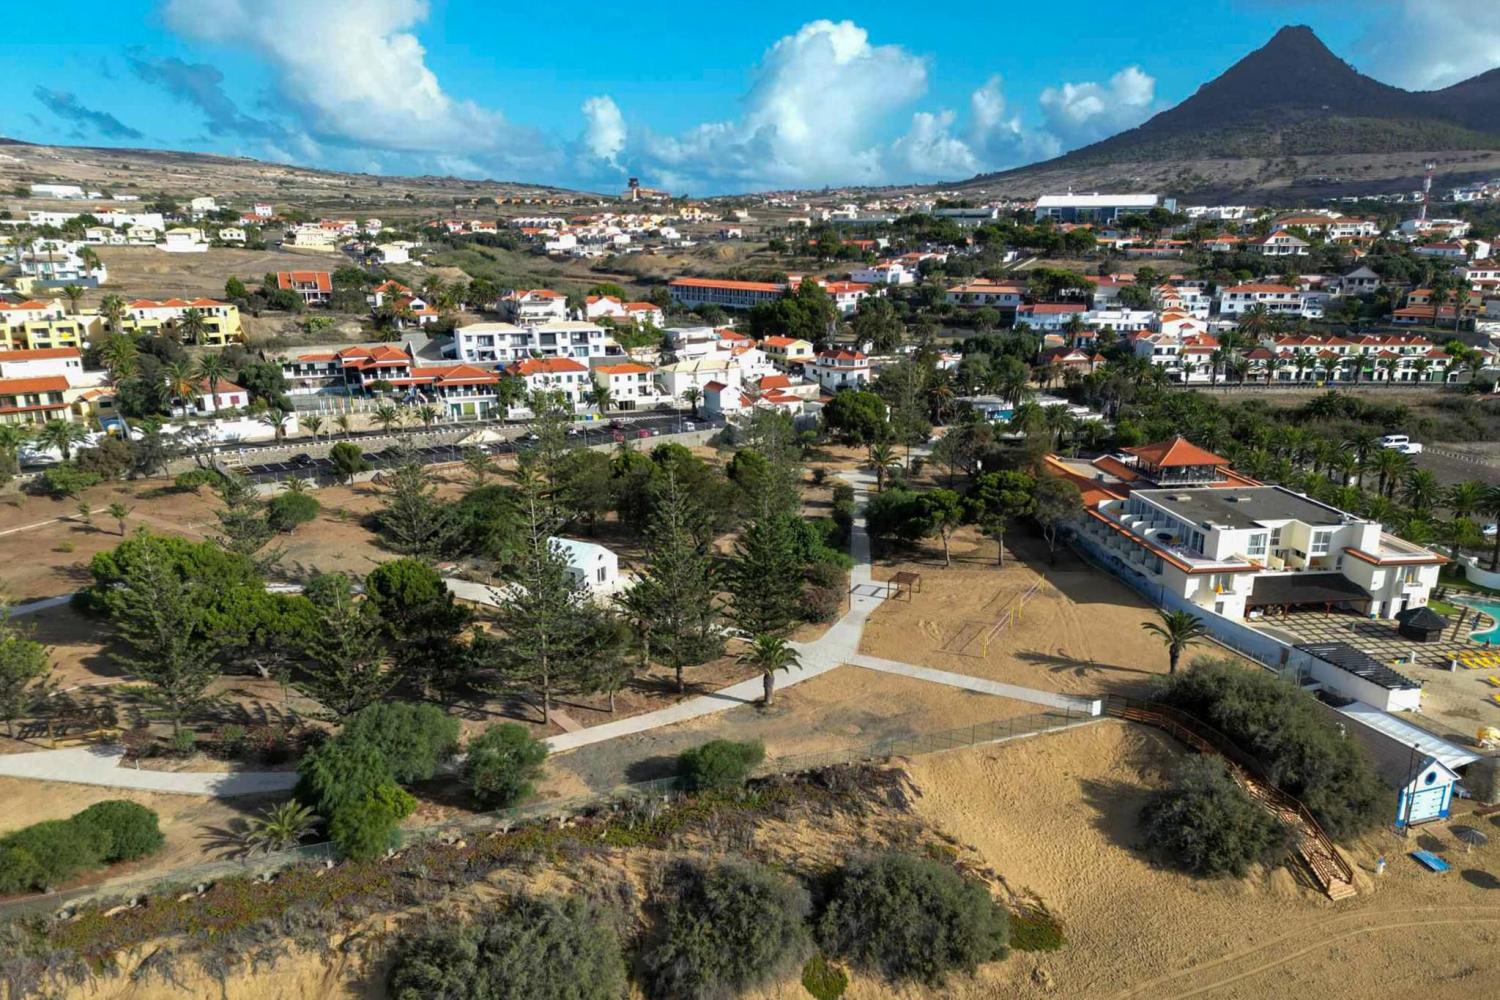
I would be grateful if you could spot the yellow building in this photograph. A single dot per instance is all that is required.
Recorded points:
(221, 320)
(53, 331)
(784, 351)
(33, 400)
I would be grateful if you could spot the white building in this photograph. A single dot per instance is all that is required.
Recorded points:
(841, 369)
(888, 272)
(202, 206)
(1279, 244)
(1211, 538)
(533, 305)
(184, 240)
(1098, 207)
(393, 253)
(563, 376)
(1280, 300)
(592, 567)
(503, 343)
(631, 386)
(57, 191)
(232, 234)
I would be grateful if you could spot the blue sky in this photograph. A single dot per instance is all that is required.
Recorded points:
(701, 98)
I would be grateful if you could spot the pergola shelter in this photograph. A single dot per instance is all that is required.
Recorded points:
(1321, 591)
(1421, 624)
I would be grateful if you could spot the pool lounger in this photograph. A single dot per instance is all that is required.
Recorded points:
(1430, 861)
(1492, 681)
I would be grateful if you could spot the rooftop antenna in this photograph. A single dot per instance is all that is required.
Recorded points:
(1426, 192)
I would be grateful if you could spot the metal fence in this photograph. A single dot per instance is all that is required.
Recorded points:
(184, 879)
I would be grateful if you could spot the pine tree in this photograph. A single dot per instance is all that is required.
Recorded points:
(348, 666)
(411, 519)
(673, 605)
(765, 577)
(243, 520)
(539, 611)
(160, 617)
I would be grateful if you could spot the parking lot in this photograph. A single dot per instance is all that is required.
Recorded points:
(308, 460)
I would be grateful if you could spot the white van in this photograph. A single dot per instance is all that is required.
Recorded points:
(1401, 443)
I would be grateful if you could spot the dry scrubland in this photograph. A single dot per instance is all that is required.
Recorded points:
(1052, 819)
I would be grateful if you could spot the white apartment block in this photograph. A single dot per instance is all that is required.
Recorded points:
(534, 305)
(1280, 300)
(841, 369)
(503, 343)
(1242, 549)
(631, 386)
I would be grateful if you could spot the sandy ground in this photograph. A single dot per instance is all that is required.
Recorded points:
(145, 272)
(1079, 634)
(197, 829)
(1056, 816)
(845, 708)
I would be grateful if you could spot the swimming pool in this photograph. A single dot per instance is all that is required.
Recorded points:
(1491, 637)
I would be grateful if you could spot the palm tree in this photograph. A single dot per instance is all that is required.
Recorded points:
(119, 354)
(280, 826)
(769, 653)
(387, 416)
(180, 382)
(1463, 499)
(428, 415)
(1459, 533)
(691, 395)
(599, 397)
(112, 308)
(313, 424)
(1388, 365)
(191, 325)
(342, 422)
(119, 512)
(883, 458)
(74, 295)
(12, 436)
(89, 259)
(62, 435)
(1178, 630)
(276, 418)
(213, 369)
(1420, 368)
(1388, 465)
(1363, 442)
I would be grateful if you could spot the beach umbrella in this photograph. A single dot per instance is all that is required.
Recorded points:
(1471, 837)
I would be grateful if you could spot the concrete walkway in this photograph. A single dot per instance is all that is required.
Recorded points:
(102, 765)
(836, 647)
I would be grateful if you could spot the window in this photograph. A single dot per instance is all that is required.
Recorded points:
(1275, 538)
(601, 574)
(1320, 542)
(1257, 545)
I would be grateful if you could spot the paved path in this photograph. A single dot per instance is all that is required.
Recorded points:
(836, 647)
(101, 765)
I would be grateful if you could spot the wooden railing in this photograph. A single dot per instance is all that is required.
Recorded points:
(1314, 847)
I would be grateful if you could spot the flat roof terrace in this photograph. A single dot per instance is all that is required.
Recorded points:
(1247, 507)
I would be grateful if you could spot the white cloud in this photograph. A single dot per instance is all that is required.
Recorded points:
(929, 150)
(353, 73)
(1000, 140)
(1081, 113)
(604, 134)
(821, 100)
(1430, 44)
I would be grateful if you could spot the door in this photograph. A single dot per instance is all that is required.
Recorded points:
(1427, 804)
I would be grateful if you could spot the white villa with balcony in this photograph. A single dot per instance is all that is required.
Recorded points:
(1179, 517)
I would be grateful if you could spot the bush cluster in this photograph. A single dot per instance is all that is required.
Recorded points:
(719, 764)
(1281, 726)
(1206, 824)
(539, 948)
(49, 853)
(726, 928)
(286, 511)
(502, 763)
(911, 918)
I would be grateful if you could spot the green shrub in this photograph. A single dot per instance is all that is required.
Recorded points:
(539, 949)
(501, 764)
(415, 739)
(725, 929)
(719, 764)
(66, 479)
(19, 870)
(195, 479)
(910, 918)
(51, 852)
(128, 830)
(1206, 824)
(823, 980)
(365, 828)
(339, 772)
(286, 511)
(182, 743)
(1282, 727)
(822, 604)
(1036, 931)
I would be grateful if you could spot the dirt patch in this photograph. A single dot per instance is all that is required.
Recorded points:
(1056, 816)
(1079, 630)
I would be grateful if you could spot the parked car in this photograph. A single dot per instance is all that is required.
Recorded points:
(1401, 443)
(688, 425)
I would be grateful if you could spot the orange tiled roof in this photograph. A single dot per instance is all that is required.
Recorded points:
(1176, 452)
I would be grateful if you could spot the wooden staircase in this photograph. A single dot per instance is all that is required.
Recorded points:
(1315, 849)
